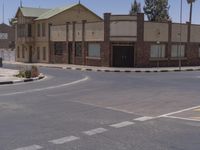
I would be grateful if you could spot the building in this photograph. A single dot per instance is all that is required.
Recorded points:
(76, 35)
(7, 37)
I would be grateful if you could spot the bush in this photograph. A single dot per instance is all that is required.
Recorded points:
(28, 73)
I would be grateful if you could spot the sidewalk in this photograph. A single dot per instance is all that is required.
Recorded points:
(106, 69)
(7, 76)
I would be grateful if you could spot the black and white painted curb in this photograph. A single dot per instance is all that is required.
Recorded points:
(117, 70)
(41, 76)
(123, 71)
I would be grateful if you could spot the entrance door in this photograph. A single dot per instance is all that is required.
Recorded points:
(30, 54)
(123, 56)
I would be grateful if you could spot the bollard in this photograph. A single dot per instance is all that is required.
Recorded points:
(1, 63)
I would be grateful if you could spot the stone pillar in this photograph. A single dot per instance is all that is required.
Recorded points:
(169, 45)
(67, 43)
(83, 43)
(51, 51)
(187, 51)
(73, 41)
(139, 56)
(106, 49)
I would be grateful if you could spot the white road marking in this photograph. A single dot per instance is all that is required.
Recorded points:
(64, 140)
(121, 110)
(95, 131)
(145, 118)
(99, 106)
(181, 118)
(122, 124)
(46, 88)
(33, 147)
(180, 111)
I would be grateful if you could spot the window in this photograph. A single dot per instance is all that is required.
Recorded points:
(157, 51)
(23, 52)
(58, 48)
(78, 49)
(43, 29)
(178, 51)
(94, 50)
(38, 53)
(38, 30)
(18, 52)
(44, 53)
(29, 30)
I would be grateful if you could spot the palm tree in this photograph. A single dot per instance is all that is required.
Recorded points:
(191, 4)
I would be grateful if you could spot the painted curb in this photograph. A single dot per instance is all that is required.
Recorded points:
(41, 76)
(78, 68)
(125, 71)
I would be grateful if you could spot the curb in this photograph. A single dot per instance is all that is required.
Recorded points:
(123, 71)
(41, 76)
(117, 70)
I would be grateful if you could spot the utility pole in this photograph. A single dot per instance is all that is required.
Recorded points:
(3, 13)
(21, 4)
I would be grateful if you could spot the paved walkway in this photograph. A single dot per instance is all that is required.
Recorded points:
(106, 69)
(8, 74)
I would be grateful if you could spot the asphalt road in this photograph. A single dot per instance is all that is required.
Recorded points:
(73, 110)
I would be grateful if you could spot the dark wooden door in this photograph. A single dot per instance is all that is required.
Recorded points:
(123, 56)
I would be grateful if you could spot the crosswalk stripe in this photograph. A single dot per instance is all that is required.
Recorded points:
(64, 140)
(95, 131)
(122, 124)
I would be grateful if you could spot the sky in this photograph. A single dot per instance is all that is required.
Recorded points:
(99, 7)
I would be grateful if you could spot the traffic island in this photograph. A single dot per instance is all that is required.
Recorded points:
(8, 76)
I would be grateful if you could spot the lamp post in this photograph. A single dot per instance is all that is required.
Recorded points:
(179, 50)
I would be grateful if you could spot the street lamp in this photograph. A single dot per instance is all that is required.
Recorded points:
(179, 50)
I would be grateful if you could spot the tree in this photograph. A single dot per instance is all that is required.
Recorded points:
(135, 8)
(157, 10)
(191, 6)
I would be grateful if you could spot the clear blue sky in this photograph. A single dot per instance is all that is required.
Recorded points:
(100, 6)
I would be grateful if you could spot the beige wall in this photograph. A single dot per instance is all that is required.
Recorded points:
(78, 32)
(58, 33)
(123, 29)
(156, 31)
(26, 53)
(41, 38)
(123, 18)
(176, 33)
(77, 14)
(94, 31)
(195, 33)
(41, 45)
(70, 33)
